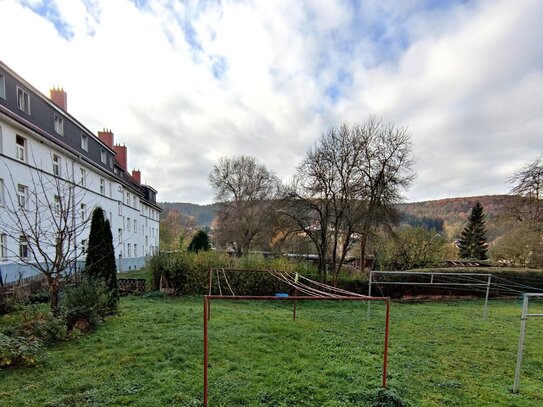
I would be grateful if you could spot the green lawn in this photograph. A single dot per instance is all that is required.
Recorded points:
(151, 355)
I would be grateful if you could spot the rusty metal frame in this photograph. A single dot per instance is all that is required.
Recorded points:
(207, 314)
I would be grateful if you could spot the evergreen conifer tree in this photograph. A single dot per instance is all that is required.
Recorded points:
(200, 242)
(100, 263)
(472, 243)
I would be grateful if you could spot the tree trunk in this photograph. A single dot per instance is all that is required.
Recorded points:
(54, 294)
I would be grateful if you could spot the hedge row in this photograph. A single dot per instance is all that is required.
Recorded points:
(504, 283)
(187, 273)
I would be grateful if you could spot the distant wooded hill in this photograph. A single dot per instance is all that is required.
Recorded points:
(202, 214)
(446, 216)
(450, 215)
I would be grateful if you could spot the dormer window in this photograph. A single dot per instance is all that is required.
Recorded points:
(2, 86)
(103, 156)
(23, 100)
(59, 124)
(84, 142)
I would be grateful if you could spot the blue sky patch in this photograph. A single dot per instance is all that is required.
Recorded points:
(219, 67)
(50, 11)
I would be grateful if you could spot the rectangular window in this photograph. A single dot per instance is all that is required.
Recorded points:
(84, 142)
(83, 177)
(128, 250)
(2, 196)
(134, 202)
(56, 165)
(20, 142)
(84, 246)
(59, 124)
(23, 247)
(3, 246)
(22, 196)
(120, 208)
(23, 100)
(103, 156)
(83, 212)
(128, 224)
(135, 250)
(135, 226)
(58, 204)
(102, 186)
(2, 86)
(128, 199)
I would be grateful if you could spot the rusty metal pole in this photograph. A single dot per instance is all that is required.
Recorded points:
(369, 294)
(209, 283)
(385, 356)
(206, 342)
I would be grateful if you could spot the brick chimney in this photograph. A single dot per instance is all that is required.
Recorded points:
(136, 174)
(59, 98)
(121, 155)
(106, 136)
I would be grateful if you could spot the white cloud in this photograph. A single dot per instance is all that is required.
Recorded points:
(183, 83)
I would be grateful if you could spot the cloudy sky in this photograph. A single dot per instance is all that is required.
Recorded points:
(184, 83)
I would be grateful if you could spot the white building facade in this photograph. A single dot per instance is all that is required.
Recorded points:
(48, 161)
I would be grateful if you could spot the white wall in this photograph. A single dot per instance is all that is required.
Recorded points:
(38, 170)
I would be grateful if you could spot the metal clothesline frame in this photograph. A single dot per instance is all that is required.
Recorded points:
(486, 284)
(523, 319)
(295, 298)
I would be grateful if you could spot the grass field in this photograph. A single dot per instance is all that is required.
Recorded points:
(441, 354)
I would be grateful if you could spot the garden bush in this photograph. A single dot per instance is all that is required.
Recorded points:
(6, 306)
(519, 279)
(45, 326)
(19, 350)
(188, 272)
(86, 304)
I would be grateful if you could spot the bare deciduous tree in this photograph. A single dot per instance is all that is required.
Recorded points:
(175, 229)
(522, 240)
(346, 186)
(527, 183)
(245, 190)
(46, 218)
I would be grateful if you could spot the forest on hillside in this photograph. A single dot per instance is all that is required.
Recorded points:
(447, 216)
(202, 215)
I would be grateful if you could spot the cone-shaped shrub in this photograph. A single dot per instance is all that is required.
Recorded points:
(100, 264)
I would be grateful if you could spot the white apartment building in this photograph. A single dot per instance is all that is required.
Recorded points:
(48, 159)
